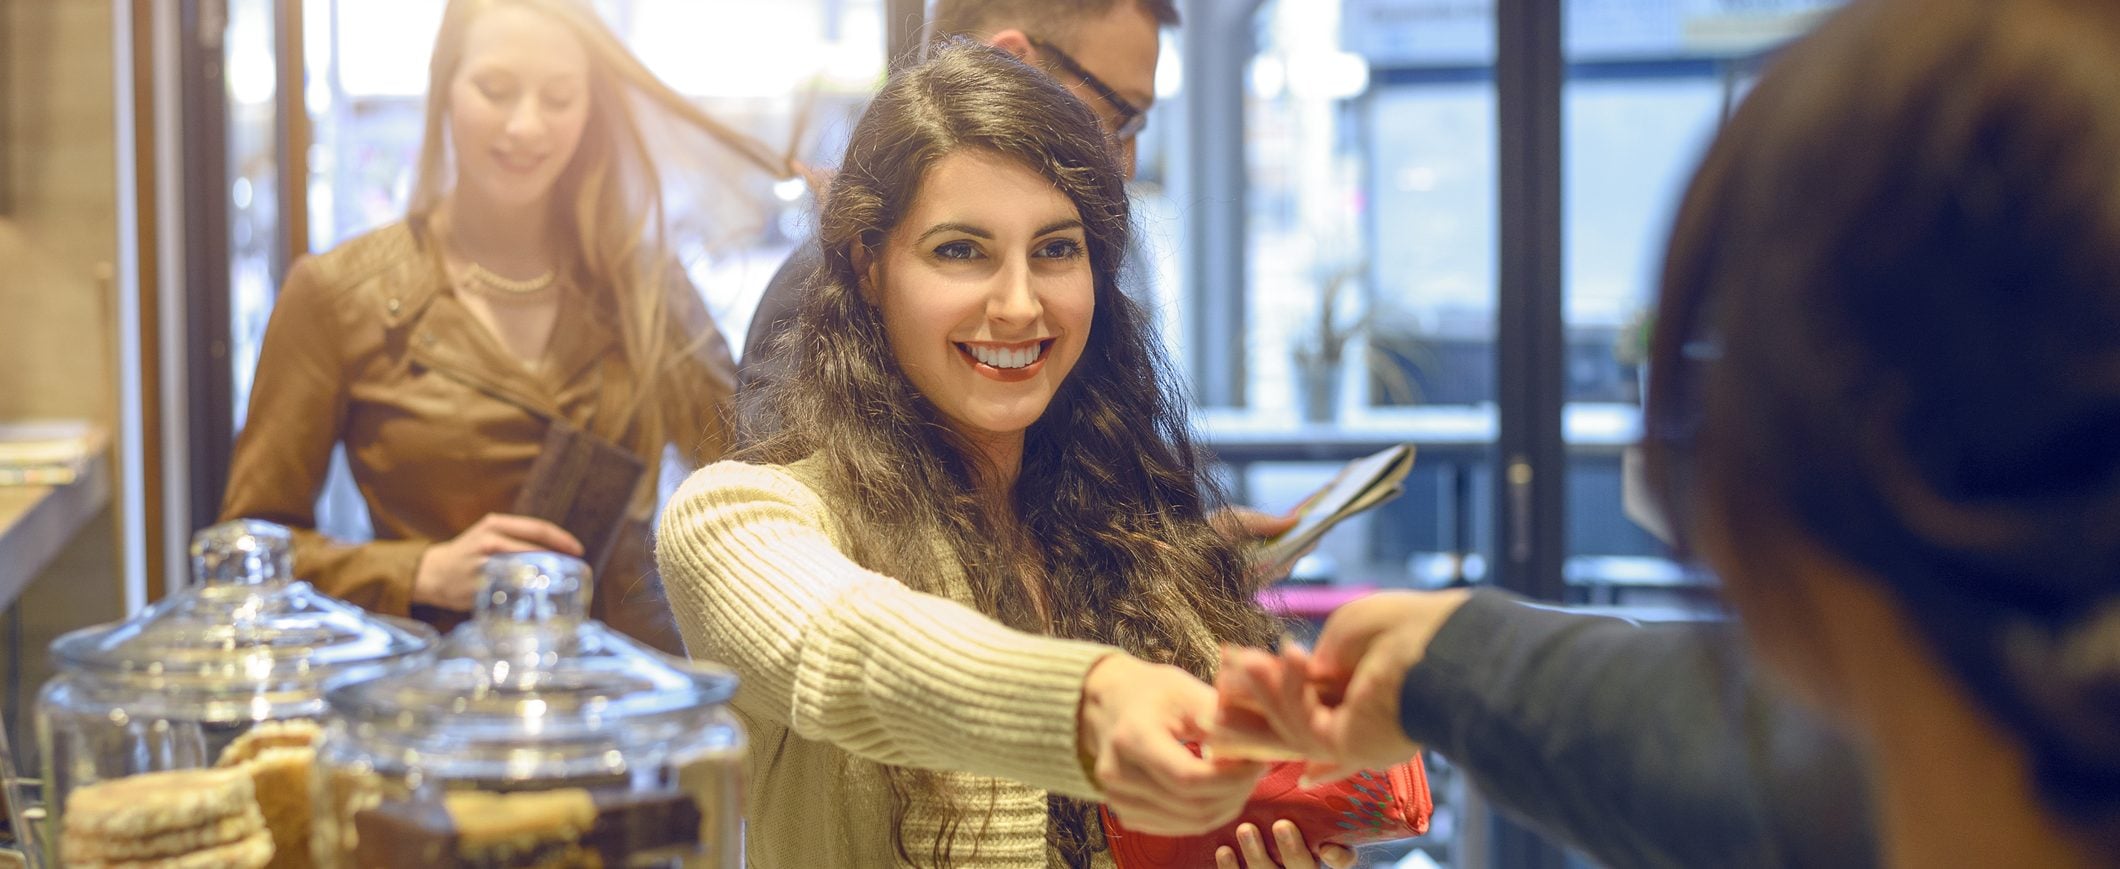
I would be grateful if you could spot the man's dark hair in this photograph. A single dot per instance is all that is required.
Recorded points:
(1045, 19)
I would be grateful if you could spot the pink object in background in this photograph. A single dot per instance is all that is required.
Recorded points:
(1311, 602)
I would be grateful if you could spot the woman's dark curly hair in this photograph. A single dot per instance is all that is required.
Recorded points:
(1891, 323)
(1111, 497)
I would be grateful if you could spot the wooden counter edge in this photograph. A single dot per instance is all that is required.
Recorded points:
(37, 523)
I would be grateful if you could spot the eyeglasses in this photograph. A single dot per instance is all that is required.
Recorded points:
(1132, 118)
(1674, 417)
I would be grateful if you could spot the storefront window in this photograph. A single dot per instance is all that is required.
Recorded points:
(1649, 83)
(254, 189)
(1370, 253)
(1369, 275)
(1370, 246)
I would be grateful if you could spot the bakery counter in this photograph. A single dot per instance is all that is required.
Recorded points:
(37, 523)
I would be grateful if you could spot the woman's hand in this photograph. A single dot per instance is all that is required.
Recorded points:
(1135, 720)
(1294, 853)
(1243, 525)
(1337, 705)
(448, 575)
(1246, 528)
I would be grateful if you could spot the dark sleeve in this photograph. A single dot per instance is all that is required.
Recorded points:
(1642, 746)
(776, 312)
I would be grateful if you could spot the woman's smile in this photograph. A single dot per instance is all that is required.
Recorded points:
(1008, 363)
(987, 291)
(518, 162)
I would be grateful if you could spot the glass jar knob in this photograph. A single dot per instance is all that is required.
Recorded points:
(243, 552)
(534, 588)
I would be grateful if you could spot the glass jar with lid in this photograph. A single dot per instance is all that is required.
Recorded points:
(534, 737)
(207, 677)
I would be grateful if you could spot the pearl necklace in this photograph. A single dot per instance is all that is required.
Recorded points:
(476, 277)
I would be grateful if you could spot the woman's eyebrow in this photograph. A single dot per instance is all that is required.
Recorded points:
(965, 228)
(977, 232)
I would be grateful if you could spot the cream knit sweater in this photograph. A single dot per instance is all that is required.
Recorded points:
(844, 669)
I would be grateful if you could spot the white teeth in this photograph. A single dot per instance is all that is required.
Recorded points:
(1004, 358)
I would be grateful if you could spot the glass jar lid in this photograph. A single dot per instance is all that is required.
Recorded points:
(531, 667)
(245, 626)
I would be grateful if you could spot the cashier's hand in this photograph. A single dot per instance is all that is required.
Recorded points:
(449, 572)
(1288, 841)
(1135, 718)
(1337, 706)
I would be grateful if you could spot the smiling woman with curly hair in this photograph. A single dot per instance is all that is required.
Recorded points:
(970, 585)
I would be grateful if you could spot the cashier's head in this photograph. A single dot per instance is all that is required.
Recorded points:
(1886, 372)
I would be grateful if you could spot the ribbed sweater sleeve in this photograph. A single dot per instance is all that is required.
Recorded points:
(844, 655)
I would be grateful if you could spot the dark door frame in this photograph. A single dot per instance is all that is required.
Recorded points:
(209, 381)
(1531, 459)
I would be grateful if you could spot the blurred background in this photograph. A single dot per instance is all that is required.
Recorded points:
(1366, 222)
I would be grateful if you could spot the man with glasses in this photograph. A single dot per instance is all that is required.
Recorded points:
(1104, 51)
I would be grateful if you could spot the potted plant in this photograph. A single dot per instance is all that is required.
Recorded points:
(1341, 318)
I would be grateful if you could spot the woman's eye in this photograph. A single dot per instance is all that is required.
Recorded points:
(558, 104)
(497, 94)
(957, 250)
(1060, 248)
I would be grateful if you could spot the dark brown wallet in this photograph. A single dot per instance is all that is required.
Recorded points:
(582, 483)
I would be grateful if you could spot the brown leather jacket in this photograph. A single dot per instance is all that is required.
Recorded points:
(369, 346)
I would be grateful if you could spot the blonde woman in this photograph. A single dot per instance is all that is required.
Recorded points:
(529, 285)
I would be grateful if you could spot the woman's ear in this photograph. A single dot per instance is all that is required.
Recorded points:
(868, 273)
(1789, 594)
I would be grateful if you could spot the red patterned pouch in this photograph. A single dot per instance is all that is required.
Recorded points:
(1372, 806)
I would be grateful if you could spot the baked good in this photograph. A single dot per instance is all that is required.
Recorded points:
(278, 756)
(631, 828)
(168, 820)
(559, 828)
(292, 733)
(281, 777)
(143, 805)
(212, 834)
(250, 852)
(490, 825)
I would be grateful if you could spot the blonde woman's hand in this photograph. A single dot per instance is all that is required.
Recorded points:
(449, 572)
(1295, 854)
(1133, 725)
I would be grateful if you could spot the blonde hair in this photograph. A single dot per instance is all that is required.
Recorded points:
(610, 196)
